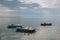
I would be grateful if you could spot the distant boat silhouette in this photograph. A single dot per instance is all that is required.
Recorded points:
(14, 26)
(46, 24)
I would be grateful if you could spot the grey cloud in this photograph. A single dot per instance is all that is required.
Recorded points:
(10, 4)
(58, 4)
(31, 5)
(15, 4)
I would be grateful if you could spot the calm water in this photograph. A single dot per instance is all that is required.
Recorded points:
(42, 33)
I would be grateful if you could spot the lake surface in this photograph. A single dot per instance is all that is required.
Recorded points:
(42, 33)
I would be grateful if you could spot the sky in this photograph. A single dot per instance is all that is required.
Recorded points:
(29, 8)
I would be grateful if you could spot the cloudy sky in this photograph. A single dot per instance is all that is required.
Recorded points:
(30, 8)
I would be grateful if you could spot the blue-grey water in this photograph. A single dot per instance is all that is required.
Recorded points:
(42, 33)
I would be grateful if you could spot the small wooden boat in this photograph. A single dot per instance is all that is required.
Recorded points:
(25, 30)
(46, 24)
(14, 26)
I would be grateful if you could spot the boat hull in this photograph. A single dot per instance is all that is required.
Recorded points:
(13, 26)
(25, 31)
(46, 24)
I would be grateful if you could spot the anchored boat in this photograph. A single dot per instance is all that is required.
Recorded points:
(46, 24)
(25, 29)
(14, 26)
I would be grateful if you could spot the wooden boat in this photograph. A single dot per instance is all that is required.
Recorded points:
(14, 26)
(46, 24)
(25, 30)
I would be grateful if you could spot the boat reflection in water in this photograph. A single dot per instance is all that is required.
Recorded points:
(46, 24)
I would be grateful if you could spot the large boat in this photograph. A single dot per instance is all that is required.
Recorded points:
(14, 25)
(25, 29)
(46, 24)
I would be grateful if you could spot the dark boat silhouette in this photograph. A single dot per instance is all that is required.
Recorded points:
(46, 24)
(25, 30)
(14, 26)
